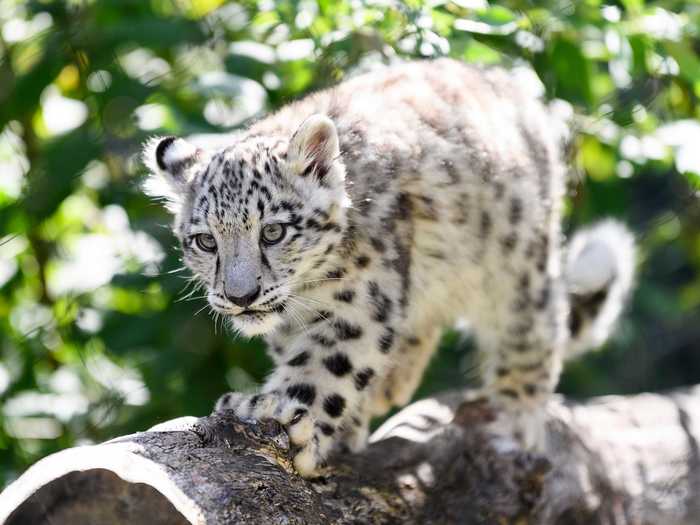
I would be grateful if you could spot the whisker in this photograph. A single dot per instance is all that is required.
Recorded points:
(296, 300)
(296, 283)
(300, 300)
(202, 308)
(312, 299)
(299, 318)
(325, 279)
(325, 305)
(295, 315)
(190, 282)
(8, 239)
(170, 272)
(198, 285)
(189, 298)
(289, 313)
(303, 323)
(176, 270)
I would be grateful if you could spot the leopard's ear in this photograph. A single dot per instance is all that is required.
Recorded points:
(170, 161)
(314, 147)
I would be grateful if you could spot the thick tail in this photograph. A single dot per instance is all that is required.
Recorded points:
(599, 272)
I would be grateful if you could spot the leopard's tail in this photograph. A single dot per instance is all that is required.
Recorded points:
(599, 273)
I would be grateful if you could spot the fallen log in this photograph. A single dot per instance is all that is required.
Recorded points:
(613, 460)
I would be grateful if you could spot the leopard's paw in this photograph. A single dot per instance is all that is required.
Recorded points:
(306, 437)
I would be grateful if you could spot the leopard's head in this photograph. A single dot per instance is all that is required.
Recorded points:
(257, 219)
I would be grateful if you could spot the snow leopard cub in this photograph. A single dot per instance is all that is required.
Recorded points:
(352, 226)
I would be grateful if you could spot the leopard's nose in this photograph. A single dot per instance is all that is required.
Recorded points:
(244, 300)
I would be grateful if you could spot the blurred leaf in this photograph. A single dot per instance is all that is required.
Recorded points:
(687, 59)
(633, 6)
(199, 8)
(572, 71)
(26, 88)
(55, 177)
(496, 15)
(597, 159)
(147, 32)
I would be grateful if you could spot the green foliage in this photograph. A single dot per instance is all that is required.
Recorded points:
(93, 339)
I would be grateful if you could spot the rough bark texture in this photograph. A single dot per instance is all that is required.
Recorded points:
(614, 460)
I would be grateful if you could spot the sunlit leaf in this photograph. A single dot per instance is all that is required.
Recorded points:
(687, 59)
(597, 159)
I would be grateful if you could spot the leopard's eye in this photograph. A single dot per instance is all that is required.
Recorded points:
(205, 242)
(273, 233)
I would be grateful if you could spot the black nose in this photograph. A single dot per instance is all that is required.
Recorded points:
(245, 300)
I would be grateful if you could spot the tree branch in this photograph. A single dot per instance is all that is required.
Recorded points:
(613, 460)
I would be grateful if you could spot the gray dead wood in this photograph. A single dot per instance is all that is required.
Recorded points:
(614, 460)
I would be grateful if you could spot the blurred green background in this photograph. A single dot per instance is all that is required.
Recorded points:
(93, 339)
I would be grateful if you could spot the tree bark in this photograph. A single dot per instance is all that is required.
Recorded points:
(611, 461)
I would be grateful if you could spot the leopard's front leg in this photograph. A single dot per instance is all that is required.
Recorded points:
(322, 384)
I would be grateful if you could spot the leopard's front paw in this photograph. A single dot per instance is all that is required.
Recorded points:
(306, 436)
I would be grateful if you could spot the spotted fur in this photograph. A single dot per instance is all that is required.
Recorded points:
(408, 198)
